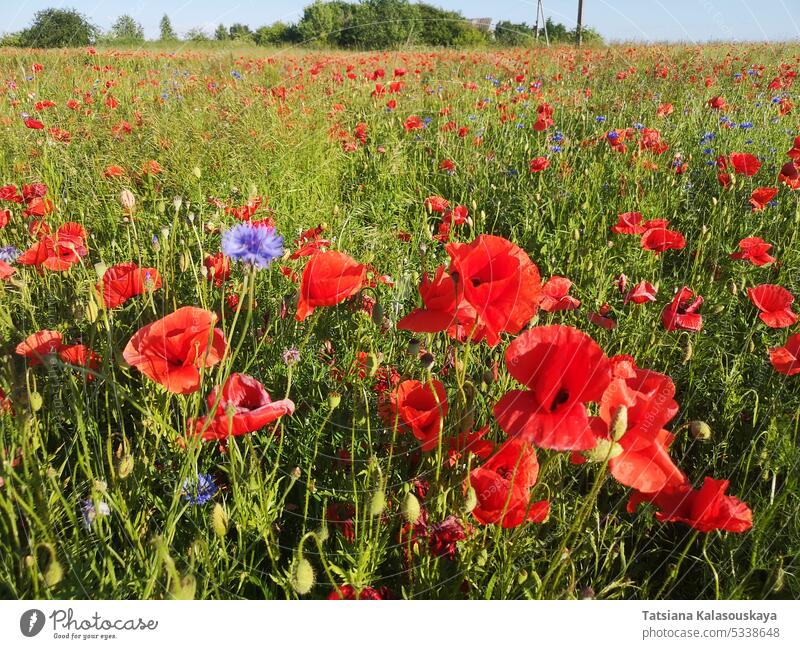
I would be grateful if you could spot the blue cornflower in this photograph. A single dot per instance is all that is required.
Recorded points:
(9, 254)
(746, 125)
(427, 120)
(638, 126)
(555, 149)
(600, 119)
(708, 151)
(236, 75)
(89, 512)
(199, 492)
(557, 136)
(257, 245)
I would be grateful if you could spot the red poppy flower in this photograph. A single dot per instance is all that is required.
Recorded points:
(57, 252)
(789, 175)
(245, 407)
(629, 223)
(171, 351)
(413, 123)
(775, 304)
(81, 356)
(36, 346)
(499, 280)
(33, 123)
(151, 168)
(563, 369)
(786, 359)
(681, 313)
(6, 270)
(640, 405)
(601, 317)
(755, 250)
(469, 442)
(555, 295)
(436, 204)
(660, 239)
(745, 163)
(717, 103)
(418, 409)
(114, 171)
(329, 278)
(367, 593)
(643, 292)
(761, 196)
(124, 281)
(9, 193)
(706, 509)
(539, 164)
(218, 268)
(502, 487)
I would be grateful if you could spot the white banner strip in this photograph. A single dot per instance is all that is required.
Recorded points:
(404, 624)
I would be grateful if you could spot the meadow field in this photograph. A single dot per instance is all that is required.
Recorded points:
(418, 324)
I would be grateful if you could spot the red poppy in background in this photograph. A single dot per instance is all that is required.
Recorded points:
(775, 304)
(681, 313)
(218, 268)
(755, 250)
(539, 164)
(643, 292)
(6, 270)
(745, 164)
(367, 593)
(555, 295)
(36, 346)
(499, 280)
(33, 123)
(761, 197)
(5, 217)
(10, 193)
(413, 123)
(329, 278)
(786, 359)
(171, 351)
(124, 281)
(717, 103)
(418, 409)
(563, 369)
(436, 204)
(629, 223)
(81, 356)
(601, 317)
(705, 510)
(789, 175)
(114, 171)
(59, 251)
(245, 407)
(502, 487)
(660, 239)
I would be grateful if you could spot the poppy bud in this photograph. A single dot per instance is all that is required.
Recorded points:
(688, 352)
(733, 288)
(196, 172)
(522, 576)
(373, 363)
(334, 399)
(177, 202)
(587, 593)
(619, 423)
(377, 314)
(219, 520)
(125, 466)
(35, 399)
(377, 503)
(47, 560)
(700, 430)
(413, 347)
(127, 200)
(470, 499)
(411, 509)
(487, 377)
(719, 308)
(426, 360)
(603, 451)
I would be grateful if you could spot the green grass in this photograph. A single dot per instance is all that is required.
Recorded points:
(116, 439)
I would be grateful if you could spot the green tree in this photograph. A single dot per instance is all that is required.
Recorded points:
(58, 28)
(221, 33)
(322, 22)
(197, 34)
(166, 30)
(240, 32)
(127, 29)
(511, 34)
(275, 34)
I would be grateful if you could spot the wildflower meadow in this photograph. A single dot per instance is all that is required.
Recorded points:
(416, 324)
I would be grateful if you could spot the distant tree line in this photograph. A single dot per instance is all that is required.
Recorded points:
(367, 25)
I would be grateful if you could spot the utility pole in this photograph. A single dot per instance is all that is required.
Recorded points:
(540, 14)
(579, 26)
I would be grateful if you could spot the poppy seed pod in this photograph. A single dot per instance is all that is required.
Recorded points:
(411, 508)
(303, 577)
(127, 200)
(426, 360)
(700, 430)
(377, 503)
(619, 423)
(334, 399)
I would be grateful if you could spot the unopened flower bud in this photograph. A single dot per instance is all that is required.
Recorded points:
(411, 509)
(700, 430)
(619, 423)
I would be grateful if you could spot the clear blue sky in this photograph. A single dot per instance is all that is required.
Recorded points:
(643, 20)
